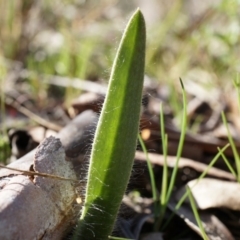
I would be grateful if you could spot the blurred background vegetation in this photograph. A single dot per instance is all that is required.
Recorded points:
(195, 40)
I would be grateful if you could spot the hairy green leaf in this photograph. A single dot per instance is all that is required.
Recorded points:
(116, 135)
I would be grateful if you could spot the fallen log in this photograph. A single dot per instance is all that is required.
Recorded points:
(34, 206)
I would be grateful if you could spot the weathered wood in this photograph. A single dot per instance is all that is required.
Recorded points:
(36, 207)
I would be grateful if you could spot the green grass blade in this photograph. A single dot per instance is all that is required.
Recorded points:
(116, 135)
(152, 179)
(165, 167)
(228, 164)
(163, 197)
(196, 215)
(203, 174)
(150, 170)
(233, 146)
(180, 202)
(236, 83)
(180, 145)
(119, 238)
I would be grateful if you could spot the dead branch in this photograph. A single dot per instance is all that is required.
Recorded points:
(39, 207)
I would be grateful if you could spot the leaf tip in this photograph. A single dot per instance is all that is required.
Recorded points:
(138, 13)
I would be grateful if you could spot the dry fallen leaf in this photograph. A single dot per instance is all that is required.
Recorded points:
(213, 193)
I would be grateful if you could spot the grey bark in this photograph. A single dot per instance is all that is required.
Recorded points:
(36, 207)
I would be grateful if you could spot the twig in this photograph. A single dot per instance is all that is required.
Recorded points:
(31, 173)
(33, 116)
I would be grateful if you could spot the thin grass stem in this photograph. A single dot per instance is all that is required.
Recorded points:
(181, 142)
(119, 238)
(196, 215)
(165, 167)
(150, 170)
(180, 202)
(233, 146)
(163, 196)
(236, 84)
(2, 106)
(228, 164)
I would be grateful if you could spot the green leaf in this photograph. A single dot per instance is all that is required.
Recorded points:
(116, 135)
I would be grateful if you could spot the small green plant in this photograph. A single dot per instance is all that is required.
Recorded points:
(180, 202)
(166, 190)
(116, 136)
